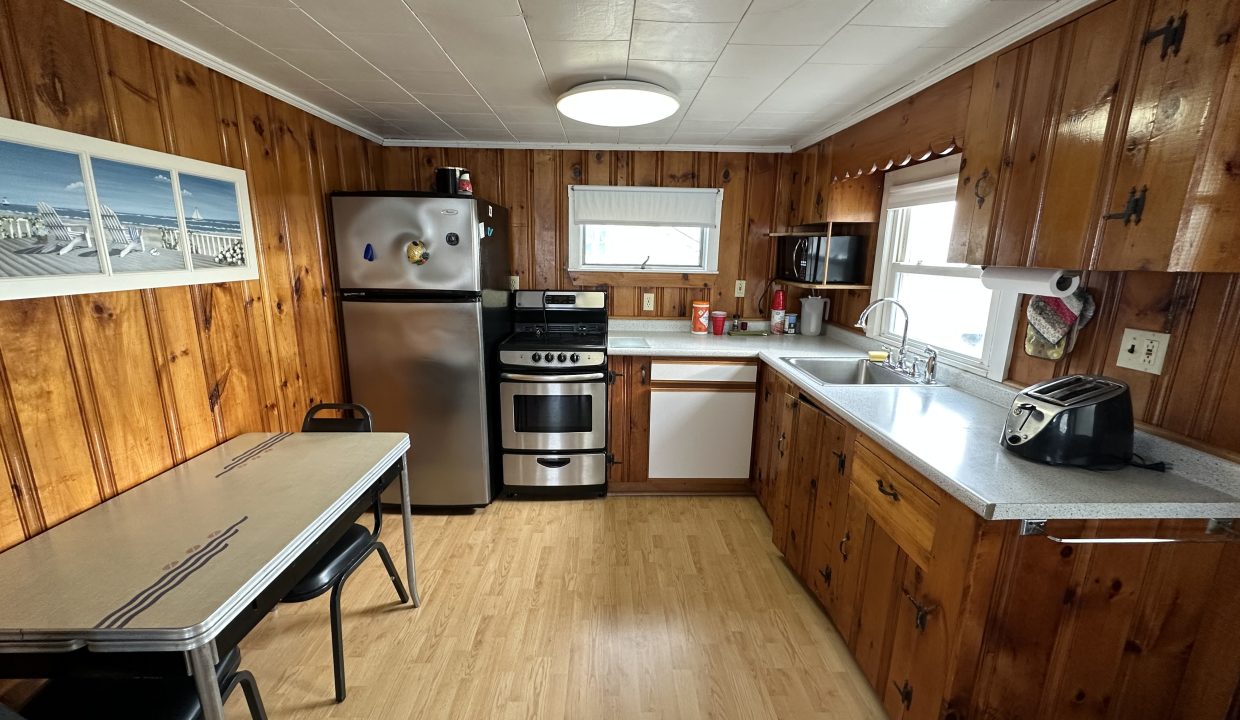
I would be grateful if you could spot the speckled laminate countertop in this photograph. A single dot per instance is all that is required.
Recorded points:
(951, 437)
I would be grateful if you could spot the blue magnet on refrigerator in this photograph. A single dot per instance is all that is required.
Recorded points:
(369, 253)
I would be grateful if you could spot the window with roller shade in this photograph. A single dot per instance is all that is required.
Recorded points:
(949, 309)
(643, 229)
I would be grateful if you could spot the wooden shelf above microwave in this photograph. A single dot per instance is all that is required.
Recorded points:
(818, 286)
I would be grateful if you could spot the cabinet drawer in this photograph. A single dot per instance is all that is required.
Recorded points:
(704, 372)
(896, 504)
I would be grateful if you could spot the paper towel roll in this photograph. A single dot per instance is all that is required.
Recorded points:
(1031, 281)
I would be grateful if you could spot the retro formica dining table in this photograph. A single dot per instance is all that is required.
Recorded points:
(172, 573)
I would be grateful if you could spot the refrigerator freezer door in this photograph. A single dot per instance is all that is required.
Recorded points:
(406, 243)
(418, 367)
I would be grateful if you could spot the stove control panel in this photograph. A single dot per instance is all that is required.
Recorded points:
(551, 358)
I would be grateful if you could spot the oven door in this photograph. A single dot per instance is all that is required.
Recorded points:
(553, 412)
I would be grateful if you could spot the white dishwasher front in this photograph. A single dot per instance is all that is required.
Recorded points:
(701, 434)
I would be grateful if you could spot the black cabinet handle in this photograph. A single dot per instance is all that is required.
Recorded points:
(921, 609)
(891, 493)
(1133, 208)
(553, 462)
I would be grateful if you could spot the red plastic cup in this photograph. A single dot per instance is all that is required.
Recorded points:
(718, 319)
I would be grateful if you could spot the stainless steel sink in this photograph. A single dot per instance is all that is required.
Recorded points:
(848, 371)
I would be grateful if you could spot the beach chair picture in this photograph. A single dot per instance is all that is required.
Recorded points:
(45, 217)
(138, 210)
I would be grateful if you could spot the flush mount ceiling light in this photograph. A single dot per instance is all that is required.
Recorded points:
(617, 103)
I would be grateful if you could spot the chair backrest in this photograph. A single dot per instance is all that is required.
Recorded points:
(52, 221)
(112, 225)
(360, 422)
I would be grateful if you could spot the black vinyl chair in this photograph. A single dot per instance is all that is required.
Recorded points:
(139, 699)
(351, 550)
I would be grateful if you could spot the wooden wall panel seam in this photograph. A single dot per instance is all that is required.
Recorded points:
(17, 460)
(84, 389)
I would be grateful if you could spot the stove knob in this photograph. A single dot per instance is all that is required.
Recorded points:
(562, 358)
(574, 357)
(549, 358)
(536, 357)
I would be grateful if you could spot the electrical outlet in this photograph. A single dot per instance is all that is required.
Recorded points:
(740, 288)
(1143, 350)
(647, 301)
(514, 282)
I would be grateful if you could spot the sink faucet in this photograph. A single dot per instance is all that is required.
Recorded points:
(865, 316)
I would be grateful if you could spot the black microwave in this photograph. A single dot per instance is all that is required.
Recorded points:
(821, 259)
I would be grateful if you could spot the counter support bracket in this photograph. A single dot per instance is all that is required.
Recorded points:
(1223, 527)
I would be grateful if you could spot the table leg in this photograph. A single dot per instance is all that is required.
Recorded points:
(407, 519)
(202, 665)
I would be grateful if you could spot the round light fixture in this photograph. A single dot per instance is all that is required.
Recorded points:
(618, 103)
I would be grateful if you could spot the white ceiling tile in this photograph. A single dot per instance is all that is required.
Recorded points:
(679, 41)
(429, 132)
(922, 13)
(324, 97)
(795, 22)
(697, 138)
(500, 135)
(537, 132)
(814, 86)
(727, 98)
(984, 22)
(599, 135)
(578, 19)
(401, 112)
(776, 120)
(568, 63)
(377, 89)
(644, 135)
(496, 55)
(271, 27)
(472, 121)
(465, 10)
(534, 114)
(400, 53)
(871, 44)
(683, 79)
(454, 103)
(438, 83)
(391, 15)
(773, 62)
(325, 64)
(692, 124)
(729, 11)
(758, 136)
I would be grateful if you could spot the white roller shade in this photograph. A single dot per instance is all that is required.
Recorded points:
(924, 192)
(680, 207)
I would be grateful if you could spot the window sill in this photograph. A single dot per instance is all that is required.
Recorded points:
(642, 279)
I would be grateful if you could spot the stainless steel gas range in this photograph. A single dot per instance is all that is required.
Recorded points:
(553, 394)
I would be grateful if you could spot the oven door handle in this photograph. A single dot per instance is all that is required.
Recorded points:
(551, 378)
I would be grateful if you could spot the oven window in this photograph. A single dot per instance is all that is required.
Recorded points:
(552, 413)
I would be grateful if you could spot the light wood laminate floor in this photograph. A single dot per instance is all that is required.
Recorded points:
(627, 607)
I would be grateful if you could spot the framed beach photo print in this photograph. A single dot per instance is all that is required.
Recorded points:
(45, 220)
(83, 215)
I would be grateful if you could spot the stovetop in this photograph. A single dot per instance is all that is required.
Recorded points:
(537, 341)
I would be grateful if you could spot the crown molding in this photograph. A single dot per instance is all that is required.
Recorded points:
(159, 37)
(1042, 19)
(585, 146)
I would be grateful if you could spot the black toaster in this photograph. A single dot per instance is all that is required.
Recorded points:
(1080, 420)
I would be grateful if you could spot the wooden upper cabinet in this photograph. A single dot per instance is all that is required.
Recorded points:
(1039, 129)
(1164, 162)
(808, 211)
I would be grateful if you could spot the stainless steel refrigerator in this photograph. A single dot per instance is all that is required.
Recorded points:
(424, 297)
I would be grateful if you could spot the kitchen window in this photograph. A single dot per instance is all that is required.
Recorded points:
(643, 229)
(970, 326)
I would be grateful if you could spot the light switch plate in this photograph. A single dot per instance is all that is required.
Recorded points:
(1143, 350)
(514, 282)
(647, 301)
(740, 288)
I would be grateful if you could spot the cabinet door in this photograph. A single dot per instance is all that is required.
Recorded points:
(806, 208)
(637, 450)
(617, 418)
(857, 199)
(770, 393)
(882, 567)
(1174, 107)
(780, 484)
(913, 613)
(803, 472)
(850, 552)
(823, 564)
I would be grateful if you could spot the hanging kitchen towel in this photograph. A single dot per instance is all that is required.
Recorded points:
(1054, 323)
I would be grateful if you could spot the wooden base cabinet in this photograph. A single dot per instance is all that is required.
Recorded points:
(952, 616)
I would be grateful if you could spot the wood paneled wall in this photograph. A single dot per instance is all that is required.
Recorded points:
(533, 184)
(101, 392)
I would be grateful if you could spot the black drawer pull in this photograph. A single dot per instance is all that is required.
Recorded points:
(553, 462)
(891, 493)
